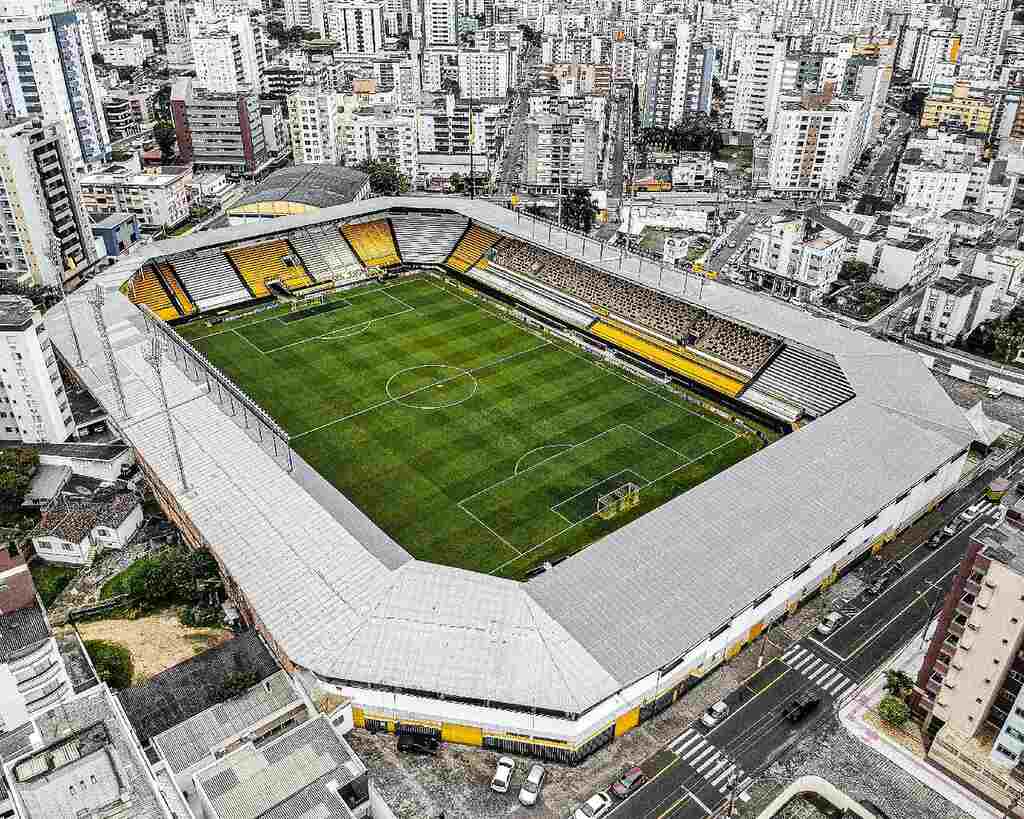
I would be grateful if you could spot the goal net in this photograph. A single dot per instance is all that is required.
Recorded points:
(307, 301)
(618, 500)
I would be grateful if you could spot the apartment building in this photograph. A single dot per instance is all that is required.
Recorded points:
(816, 142)
(794, 258)
(33, 403)
(443, 126)
(218, 131)
(44, 229)
(793, 71)
(953, 308)
(94, 25)
(395, 72)
(314, 120)
(384, 133)
(937, 50)
(229, 55)
(356, 25)
(983, 26)
(121, 122)
(968, 690)
(973, 109)
(438, 23)
(752, 81)
(487, 73)
(158, 198)
(958, 184)
(48, 74)
(130, 53)
(561, 150)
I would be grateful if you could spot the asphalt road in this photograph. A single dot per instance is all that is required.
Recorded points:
(623, 115)
(882, 166)
(508, 177)
(699, 769)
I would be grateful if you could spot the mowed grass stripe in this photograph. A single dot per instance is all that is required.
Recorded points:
(409, 468)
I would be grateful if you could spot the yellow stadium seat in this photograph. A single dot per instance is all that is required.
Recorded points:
(146, 288)
(170, 279)
(471, 248)
(664, 356)
(373, 243)
(260, 264)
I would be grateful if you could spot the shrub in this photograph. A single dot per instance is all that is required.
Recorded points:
(173, 576)
(113, 662)
(893, 711)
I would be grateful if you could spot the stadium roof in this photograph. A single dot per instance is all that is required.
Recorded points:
(347, 609)
(318, 186)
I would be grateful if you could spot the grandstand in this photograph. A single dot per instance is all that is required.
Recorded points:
(610, 636)
(258, 265)
(325, 254)
(147, 288)
(427, 237)
(167, 274)
(471, 248)
(373, 242)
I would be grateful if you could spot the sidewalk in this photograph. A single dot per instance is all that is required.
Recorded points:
(852, 714)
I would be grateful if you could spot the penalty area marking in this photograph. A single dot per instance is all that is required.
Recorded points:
(515, 471)
(643, 480)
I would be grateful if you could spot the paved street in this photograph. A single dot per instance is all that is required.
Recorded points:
(623, 129)
(881, 170)
(697, 770)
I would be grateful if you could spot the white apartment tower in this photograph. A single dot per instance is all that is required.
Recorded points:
(486, 73)
(314, 120)
(440, 22)
(305, 13)
(229, 55)
(94, 24)
(175, 20)
(758, 53)
(47, 72)
(383, 133)
(33, 404)
(41, 208)
(983, 26)
(356, 25)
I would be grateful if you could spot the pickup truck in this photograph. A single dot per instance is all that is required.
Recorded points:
(799, 707)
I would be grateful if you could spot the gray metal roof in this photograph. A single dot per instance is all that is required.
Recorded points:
(322, 186)
(580, 632)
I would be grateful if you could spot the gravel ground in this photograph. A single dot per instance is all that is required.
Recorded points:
(834, 755)
(1008, 408)
(456, 781)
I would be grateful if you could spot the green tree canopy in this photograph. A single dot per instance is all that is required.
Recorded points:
(898, 683)
(112, 661)
(578, 210)
(893, 711)
(691, 133)
(1000, 338)
(16, 468)
(163, 133)
(385, 178)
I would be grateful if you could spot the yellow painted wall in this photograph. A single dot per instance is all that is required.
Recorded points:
(756, 630)
(357, 718)
(462, 734)
(627, 722)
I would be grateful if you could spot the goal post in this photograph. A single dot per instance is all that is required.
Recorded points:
(618, 500)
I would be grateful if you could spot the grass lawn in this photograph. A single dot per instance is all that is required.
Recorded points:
(470, 440)
(51, 580)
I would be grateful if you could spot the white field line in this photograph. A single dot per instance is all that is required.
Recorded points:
(431, 385)
(613, 370)
(249, 342)
(537, 449)
(336, 334)
(489, 529)
(577, 523)
(642, 478)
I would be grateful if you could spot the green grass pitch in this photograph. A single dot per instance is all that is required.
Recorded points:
(471, 440)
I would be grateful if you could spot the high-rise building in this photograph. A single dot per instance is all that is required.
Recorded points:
(969, 686)
(48, 73)
(936, 52)
(356, 25)
(94, 24)
(983, 25)
(755, 59)
(443, 126)
(816, 141)
(175, 20)
(229, 55)
(218, 131)
(308, 14)
(561, 151)
(44, 230)
(487, 73)
(440, 22)
(314, 120)
(384, 133)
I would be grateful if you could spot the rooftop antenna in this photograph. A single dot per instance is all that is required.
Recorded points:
(155, 359)
(56, 258)
(96, 300)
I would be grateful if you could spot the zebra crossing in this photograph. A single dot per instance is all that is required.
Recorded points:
(825, 675)
(712, 764)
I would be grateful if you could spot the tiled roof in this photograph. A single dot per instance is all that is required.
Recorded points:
(72, 518)
(21, 629)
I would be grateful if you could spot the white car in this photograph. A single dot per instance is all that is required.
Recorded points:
(503, 774)
(715, 714)
(972, 511)
(597, 805)
(829, 624)
(531, 785)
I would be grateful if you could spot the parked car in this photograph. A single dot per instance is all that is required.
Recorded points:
(829, 624)
(935, 541)
(629, 783)
(972, 511)
(800, 707)
(950, 529)
(715, 714)
(530, 792)
(503, 774)
(597, 805)
(417, 744)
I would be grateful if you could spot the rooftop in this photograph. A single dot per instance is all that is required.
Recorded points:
(300, 772)
(72, 516)
(191, 687)
(112, 220)
(320, 186)
(121, 175)
(15, 312)
(1003, 543)
(22, 629)
(968, 217)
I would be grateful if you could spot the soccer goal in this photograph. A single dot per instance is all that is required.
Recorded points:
(310, 300)
(618, 500)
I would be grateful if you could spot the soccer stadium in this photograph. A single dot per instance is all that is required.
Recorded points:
(492, 480)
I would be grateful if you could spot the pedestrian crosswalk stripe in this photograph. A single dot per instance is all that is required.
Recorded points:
(707, 763)
(684, 739)
(828, 677)
(702, 755)
(723, 775)
(714, 771)
(691, 750)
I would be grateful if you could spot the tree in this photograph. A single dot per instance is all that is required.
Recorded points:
(385, 178)
(913, 103)
(578, 210)
(112, 661)
(16, 468)
(898, 683)
(166, 138)
(457, 183)
(893, 711)
(854, 270)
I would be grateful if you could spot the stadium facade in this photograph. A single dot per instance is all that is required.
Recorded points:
(562, 664)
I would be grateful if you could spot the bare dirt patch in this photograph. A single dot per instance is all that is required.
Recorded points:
(156, 641)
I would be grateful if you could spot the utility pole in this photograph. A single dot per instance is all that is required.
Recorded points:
(472, 182)
(96, 300)
(58, 264)
(155, 360)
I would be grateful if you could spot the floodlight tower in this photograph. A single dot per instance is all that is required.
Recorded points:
(155, 359)
(55, 257)
(96, 300)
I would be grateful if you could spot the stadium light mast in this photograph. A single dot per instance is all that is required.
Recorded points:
(55, 257)
(155, 360)
(96, 300)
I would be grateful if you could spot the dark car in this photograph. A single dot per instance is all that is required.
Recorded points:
(630, 782)
(417, 744)
(800, 707)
